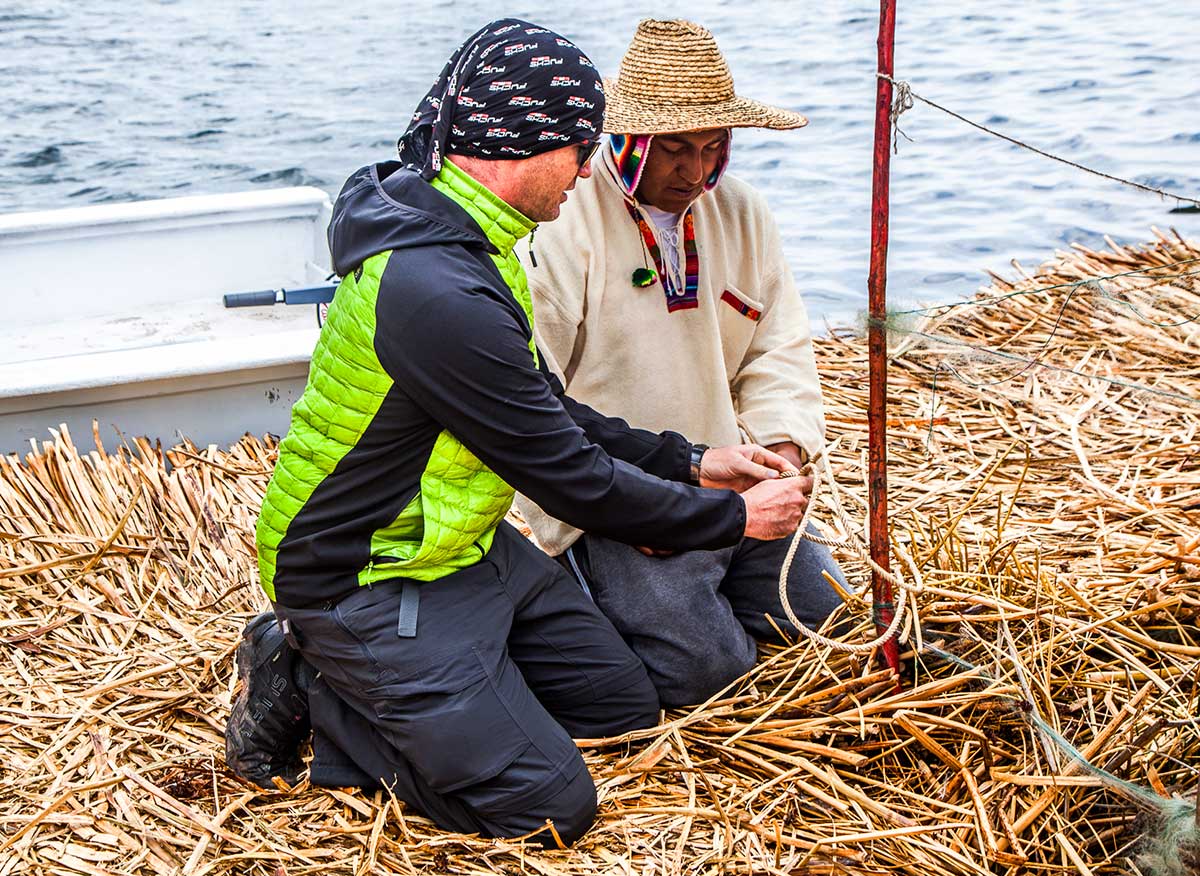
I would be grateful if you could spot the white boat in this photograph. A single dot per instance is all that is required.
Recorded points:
(115, 313)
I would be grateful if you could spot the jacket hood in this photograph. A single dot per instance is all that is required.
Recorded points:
(385, 206)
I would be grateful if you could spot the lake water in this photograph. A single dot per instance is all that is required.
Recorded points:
(105, 101)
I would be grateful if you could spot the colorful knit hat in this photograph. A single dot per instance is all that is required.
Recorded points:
(629, 154)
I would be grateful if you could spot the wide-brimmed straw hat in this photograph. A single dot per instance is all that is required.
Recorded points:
(674, 79)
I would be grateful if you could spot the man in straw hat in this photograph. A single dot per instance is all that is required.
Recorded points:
(431, 649)
(662, 295)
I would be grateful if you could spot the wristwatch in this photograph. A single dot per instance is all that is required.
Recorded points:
(694, 460)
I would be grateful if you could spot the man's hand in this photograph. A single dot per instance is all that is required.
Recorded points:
(655, 552)
(774, 507)
(740, 467)
(793, 453)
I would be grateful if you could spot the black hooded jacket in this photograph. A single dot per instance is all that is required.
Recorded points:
(456, 345)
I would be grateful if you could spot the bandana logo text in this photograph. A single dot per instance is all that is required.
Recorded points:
(576, 100)
(522, 100)
(564, 82)
(507, 85)
(544, 61)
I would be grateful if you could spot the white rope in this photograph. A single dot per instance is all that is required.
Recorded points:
(853, 542)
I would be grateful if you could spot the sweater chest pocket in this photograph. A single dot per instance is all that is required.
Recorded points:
(737, 317)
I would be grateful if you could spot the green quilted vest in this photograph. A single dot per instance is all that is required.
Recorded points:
(451, 521)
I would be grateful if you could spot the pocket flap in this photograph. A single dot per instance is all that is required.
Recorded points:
(752, 310)
(449, 722)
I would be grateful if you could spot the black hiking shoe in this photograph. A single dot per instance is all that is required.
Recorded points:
(269, 716)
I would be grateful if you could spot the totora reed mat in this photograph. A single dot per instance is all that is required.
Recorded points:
(1045, 476)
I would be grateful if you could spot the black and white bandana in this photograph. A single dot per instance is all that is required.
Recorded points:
(512, 90)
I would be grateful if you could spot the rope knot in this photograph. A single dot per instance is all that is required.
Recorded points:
(902, 102)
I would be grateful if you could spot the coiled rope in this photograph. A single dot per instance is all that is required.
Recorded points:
(817, 466)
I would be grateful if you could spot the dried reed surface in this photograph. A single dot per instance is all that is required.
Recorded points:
(1057, 521)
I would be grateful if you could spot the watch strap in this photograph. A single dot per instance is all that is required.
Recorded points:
(695, 458)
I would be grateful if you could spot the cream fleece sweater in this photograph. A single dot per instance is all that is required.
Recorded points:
(715, 373)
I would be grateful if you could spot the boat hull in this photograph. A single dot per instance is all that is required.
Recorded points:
(116, 315)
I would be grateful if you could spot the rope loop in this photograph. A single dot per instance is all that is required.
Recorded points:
(906, 590)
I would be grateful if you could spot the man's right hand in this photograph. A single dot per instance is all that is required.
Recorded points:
(774, 507)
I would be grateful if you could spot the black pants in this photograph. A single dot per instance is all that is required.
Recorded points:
(471, 720)
(694, 617)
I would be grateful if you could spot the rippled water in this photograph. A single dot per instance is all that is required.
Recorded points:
(111, 101)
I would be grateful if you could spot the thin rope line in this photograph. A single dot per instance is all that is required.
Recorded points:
(1131, 789)
(906, 90)
(1036, 360)
(1128, 384)
(997, 298)
(1129, 305)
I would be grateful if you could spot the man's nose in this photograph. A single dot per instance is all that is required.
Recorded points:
(586, 170)
(692, 169)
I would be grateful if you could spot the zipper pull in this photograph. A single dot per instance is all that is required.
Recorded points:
(532, 257)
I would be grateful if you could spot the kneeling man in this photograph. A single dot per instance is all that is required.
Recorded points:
(430, 648)
(662, 296)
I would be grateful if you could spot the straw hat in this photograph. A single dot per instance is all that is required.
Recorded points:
(673, 79)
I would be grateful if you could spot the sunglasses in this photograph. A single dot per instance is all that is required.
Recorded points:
(586, 151)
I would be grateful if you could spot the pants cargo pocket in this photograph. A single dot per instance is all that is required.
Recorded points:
(448, 720)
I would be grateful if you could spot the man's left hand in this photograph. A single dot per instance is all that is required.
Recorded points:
(740, 467)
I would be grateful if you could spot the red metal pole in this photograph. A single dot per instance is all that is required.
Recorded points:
(884, 610)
